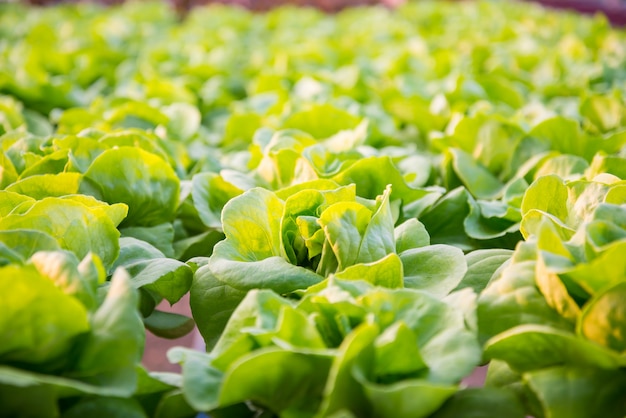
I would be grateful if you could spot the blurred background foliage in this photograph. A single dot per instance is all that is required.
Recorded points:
(615, 10)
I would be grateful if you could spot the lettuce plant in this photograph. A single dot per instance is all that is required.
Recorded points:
(553, 320)
(66, 336)
(295, 238)
(344, 349)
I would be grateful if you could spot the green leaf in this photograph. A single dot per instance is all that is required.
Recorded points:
(604, 271)
(160, 236)
(169, 278)
(23, 243)
(499, 88)
(407, 399)
(184, 120)
(18, 401)
(47, 185)
(212, 317)
(49, 164)
(563, 135)
(343, 390)
(365, 174)
(555, 292)
(251, 223)
(611, 164)
(344, 225)
(355, 234)
(260, 309)
(271, 273)
(410, 234)
(135, 114)
(201, 381)
(437, 269)
(116, 212)
(444, 221)
(534, 347)
(603, 319)
(240, 129)
(297, 331)
(397, 353)
(39, 320)
(225, 283)
(564, 166)
(616, 194)
(8, 173)
(284, 382)
(490, 220)
(10, 201)
(513, 299)
(482, 267)
(300, 221)
(78, 279)
(168, 324)
(379, 237)
(476, 178)
(149, 269)
(606, 113)
(76, 227)
(81, 151)
(547, 194)
(104, 407)
(281, 164)
(210, 193)
(133, 138)
(174, 405)
(447, 346)
(481, 403)
(114, 347)
(321, 121)
(576, 392)
(386, 272)
(143, 181)
(197, 245)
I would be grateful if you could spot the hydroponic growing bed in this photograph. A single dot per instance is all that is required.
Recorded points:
(364, 207)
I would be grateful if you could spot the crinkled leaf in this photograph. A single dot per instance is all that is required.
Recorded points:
(23, 243)
(39, 320)
(143, 181)
(603, 319)
(11, 200)
(76, 227)
(47, 185)
(78, 279)
(386, 272)
(513, 299)
(251, 224)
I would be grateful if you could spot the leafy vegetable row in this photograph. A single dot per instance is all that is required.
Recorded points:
(361, 217)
